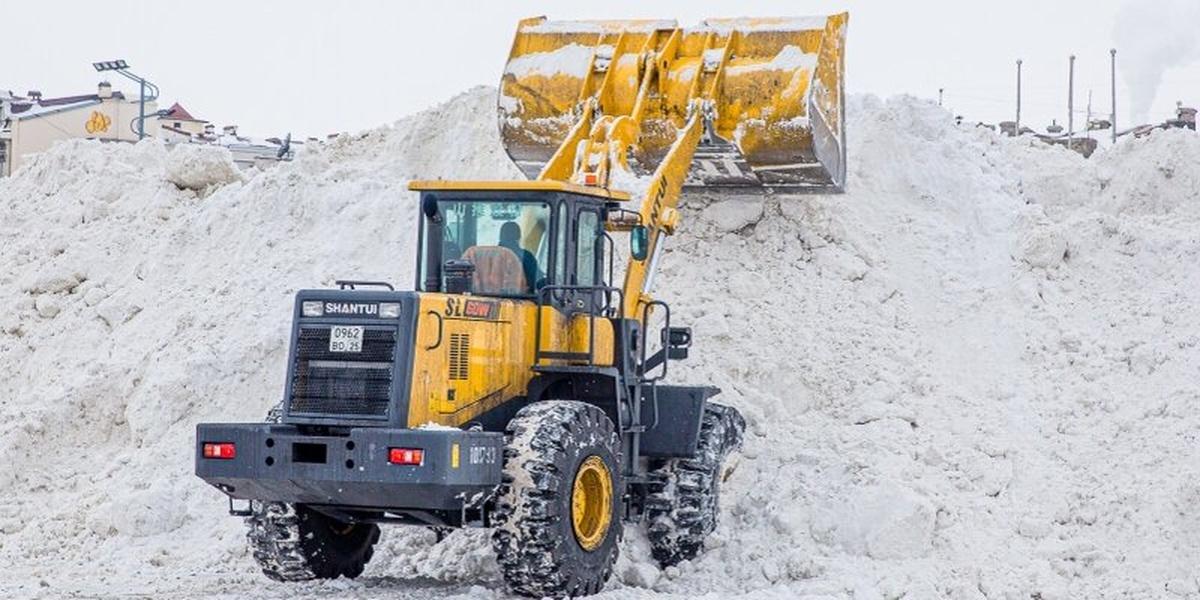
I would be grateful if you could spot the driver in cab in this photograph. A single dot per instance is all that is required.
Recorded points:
(510, 238)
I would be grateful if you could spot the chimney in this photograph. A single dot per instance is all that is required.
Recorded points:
(34, 95)
(105, 90)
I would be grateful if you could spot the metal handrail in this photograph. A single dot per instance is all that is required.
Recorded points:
(352, 283)
(612, 254)
(645, 327)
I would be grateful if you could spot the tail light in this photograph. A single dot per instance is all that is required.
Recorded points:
(412, 457)
(221, 450)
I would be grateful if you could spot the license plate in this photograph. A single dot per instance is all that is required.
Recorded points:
(344, 338)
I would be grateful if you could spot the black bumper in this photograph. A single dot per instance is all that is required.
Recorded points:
(279, 463)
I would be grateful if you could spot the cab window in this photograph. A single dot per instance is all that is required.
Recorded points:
(504, 241)
(586, 265)
(560, 248)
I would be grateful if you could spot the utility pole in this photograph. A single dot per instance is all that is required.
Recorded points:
(1071, 101)
(1112, 53)
(1017, 128)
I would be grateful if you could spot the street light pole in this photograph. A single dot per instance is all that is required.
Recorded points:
(122, 68)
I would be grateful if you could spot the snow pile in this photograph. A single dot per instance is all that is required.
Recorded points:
(972, 376)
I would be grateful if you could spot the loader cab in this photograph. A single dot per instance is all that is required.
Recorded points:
(517, 240)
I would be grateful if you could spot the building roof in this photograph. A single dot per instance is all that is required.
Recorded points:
(25, 106)
(37, 110)
(178, 113)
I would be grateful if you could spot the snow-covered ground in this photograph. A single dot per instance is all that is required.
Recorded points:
(975, 375)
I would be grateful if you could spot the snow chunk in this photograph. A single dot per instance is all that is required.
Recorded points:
(47, 306)
(51, 282)
(572, 59)
(200, 167)
(1043, 247)
(886, 521)
(735, 213)
(431, 426)
(789, 58)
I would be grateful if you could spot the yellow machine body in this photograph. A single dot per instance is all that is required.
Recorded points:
(486, 348)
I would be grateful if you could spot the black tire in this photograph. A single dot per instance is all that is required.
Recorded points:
(292, 542)
(683, 506)
(551, 443)
(440, 533)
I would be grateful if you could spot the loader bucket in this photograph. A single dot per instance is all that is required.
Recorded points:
(774, 88)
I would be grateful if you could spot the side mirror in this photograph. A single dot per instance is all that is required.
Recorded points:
(639, 242)
(429, 206)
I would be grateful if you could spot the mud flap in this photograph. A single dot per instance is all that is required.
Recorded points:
(673, 421)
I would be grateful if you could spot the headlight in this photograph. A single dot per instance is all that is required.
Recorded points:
(312, 308)
(389, 310)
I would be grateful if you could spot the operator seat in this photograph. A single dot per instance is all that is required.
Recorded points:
(497, 271)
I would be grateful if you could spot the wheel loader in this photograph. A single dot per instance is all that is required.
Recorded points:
(520, 386)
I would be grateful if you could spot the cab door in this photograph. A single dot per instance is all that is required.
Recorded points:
(578, 259)
(578, 255)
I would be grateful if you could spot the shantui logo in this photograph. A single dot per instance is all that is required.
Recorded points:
(351, 308)
(98, 123)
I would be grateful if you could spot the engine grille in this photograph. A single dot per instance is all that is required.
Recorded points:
(355, 384)
(460, 356)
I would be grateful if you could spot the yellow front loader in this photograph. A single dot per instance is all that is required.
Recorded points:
(520, 386)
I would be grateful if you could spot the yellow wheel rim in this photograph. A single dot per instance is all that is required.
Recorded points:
(591, 502)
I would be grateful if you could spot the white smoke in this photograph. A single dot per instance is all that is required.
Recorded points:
(1152, 36)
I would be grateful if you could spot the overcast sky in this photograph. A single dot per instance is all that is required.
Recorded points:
(311, 67)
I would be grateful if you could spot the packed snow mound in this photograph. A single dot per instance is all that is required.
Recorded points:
(971, 376)
(200, 167)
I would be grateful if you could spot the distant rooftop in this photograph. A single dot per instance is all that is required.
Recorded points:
(26, 107)
(178, 113)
